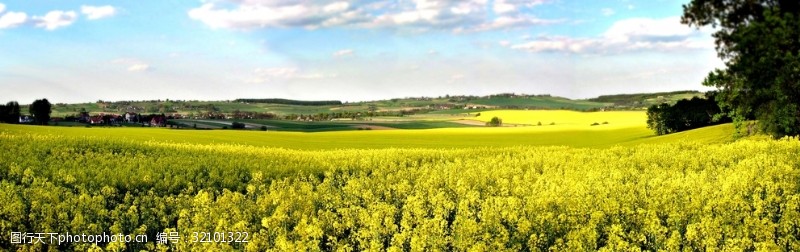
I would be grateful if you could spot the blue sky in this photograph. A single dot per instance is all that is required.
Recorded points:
(78, 51)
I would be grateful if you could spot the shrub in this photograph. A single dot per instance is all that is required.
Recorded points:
(595, 124)
(495, 122)
(237, 125)
(263, 128)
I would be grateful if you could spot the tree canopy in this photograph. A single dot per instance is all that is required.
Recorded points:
(40, 109)
(759, 41)
(495, 122)
(684, 115)
(10, 112)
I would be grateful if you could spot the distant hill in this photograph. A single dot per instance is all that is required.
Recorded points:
(291, 109)
(644, 100)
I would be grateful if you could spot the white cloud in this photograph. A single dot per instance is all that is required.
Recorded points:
(608, 12)
(555, 44)
(501, 6)
(626, 35)
(98, 12)
(415, 15)
(647, 28)
(55, 19)
(249, 16)
(2, 7)
(133, 65)
(336, 7)
(139, 67)
(424, 15)
(510, 6)
(264, 75)
(504, 22)
(12, 19)
(343, 53)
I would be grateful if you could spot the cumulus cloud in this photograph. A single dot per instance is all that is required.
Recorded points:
(98, 12)
(456, 15)
(626, 35)
(12, 19)
(343, 53)
(55, 19)
(264, 75)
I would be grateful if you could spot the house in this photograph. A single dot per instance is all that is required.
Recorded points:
(25, 119)
(130, 117)
(96, 119)
(158, 121)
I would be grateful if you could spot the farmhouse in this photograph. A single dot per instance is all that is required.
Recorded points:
(25, 119)
(96, 119)
(130, 117)
(158, 121)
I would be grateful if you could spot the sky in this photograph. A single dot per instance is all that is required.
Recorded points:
(86, 50)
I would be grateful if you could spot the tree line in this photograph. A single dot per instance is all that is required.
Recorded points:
(758, 42)
(40, 111)
(686, 114)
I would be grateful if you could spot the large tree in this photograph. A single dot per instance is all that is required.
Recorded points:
(759, 41)
(10, 112)
(40, 109)
(13, 112)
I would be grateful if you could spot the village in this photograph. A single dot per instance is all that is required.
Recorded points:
(107, 119)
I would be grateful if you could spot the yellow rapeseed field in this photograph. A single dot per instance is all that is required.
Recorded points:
(670, 196)
(564, 119)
